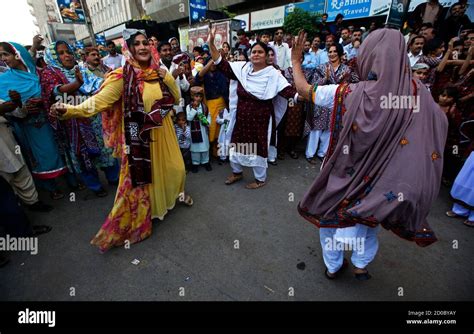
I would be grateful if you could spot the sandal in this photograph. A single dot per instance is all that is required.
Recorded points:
(41, 229)
(452, 214)
(255, 185)
(293, 155)
(234, 178)
(188, 200)
(56, 195)
(311, 161)
(337, 273)
(365, 276)
(469, 223)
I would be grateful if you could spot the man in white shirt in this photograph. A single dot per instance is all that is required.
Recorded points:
(282, 49)
(114, 60)
(166, 60)
(415, 48)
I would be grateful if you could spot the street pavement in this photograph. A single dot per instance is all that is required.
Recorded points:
(234, 244)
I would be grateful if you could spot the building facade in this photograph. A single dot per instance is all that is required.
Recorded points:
(46, 18)
(108, 17)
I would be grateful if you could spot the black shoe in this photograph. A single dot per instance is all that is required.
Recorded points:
(41, 229)
(3, 260)
(113, 183)
(208, 166)
(101, 192)
(194, 168)
(40, 207)
(274, 163)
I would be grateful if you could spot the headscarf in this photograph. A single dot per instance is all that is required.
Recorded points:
(91, 83)
(383, 164)
(26, 83)
(51, 58)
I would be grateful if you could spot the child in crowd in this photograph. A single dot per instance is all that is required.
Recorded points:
(421, 72)
(452, 155)
(198, 65)
(183, 132)
(198, 114)
(223, 119)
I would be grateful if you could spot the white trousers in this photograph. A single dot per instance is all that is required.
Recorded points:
(272, 153)
(260, 173)
(364, 245)
(317, 138)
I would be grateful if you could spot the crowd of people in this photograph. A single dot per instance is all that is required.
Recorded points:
(150, 113)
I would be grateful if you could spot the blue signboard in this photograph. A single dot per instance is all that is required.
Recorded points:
(197, 11)
(71, 11)
(79, 44)
(312, 6)
(100, 39)
(351, 9)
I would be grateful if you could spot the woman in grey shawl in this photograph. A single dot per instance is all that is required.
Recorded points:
(384, 163)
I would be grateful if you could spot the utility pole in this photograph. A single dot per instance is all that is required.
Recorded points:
(88, 22)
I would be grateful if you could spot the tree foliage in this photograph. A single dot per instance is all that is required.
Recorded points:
(301, 19)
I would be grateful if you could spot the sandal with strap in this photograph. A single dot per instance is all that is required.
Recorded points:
(469, 223)
(452, 214)
(188, 200)
(255, 185)
(234, 178)
(337, 273)
(365, 276)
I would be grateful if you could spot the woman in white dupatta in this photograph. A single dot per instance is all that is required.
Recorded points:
(257, 101)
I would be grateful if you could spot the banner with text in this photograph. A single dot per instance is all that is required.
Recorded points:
(312, 6)
(197, 11)
(267, 18)
(351, 9)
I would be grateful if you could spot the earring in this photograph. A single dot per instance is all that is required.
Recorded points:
(17, 57)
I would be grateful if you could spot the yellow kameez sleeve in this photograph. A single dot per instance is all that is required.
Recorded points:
(110, 93)
(170, 83)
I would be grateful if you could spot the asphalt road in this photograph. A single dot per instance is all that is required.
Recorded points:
(192, 254)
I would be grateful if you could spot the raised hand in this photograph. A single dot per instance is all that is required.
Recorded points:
(451, 43)
(298, 47)
(212, 34)
(37, 40)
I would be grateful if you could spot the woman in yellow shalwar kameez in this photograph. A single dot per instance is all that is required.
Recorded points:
(152, 174)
